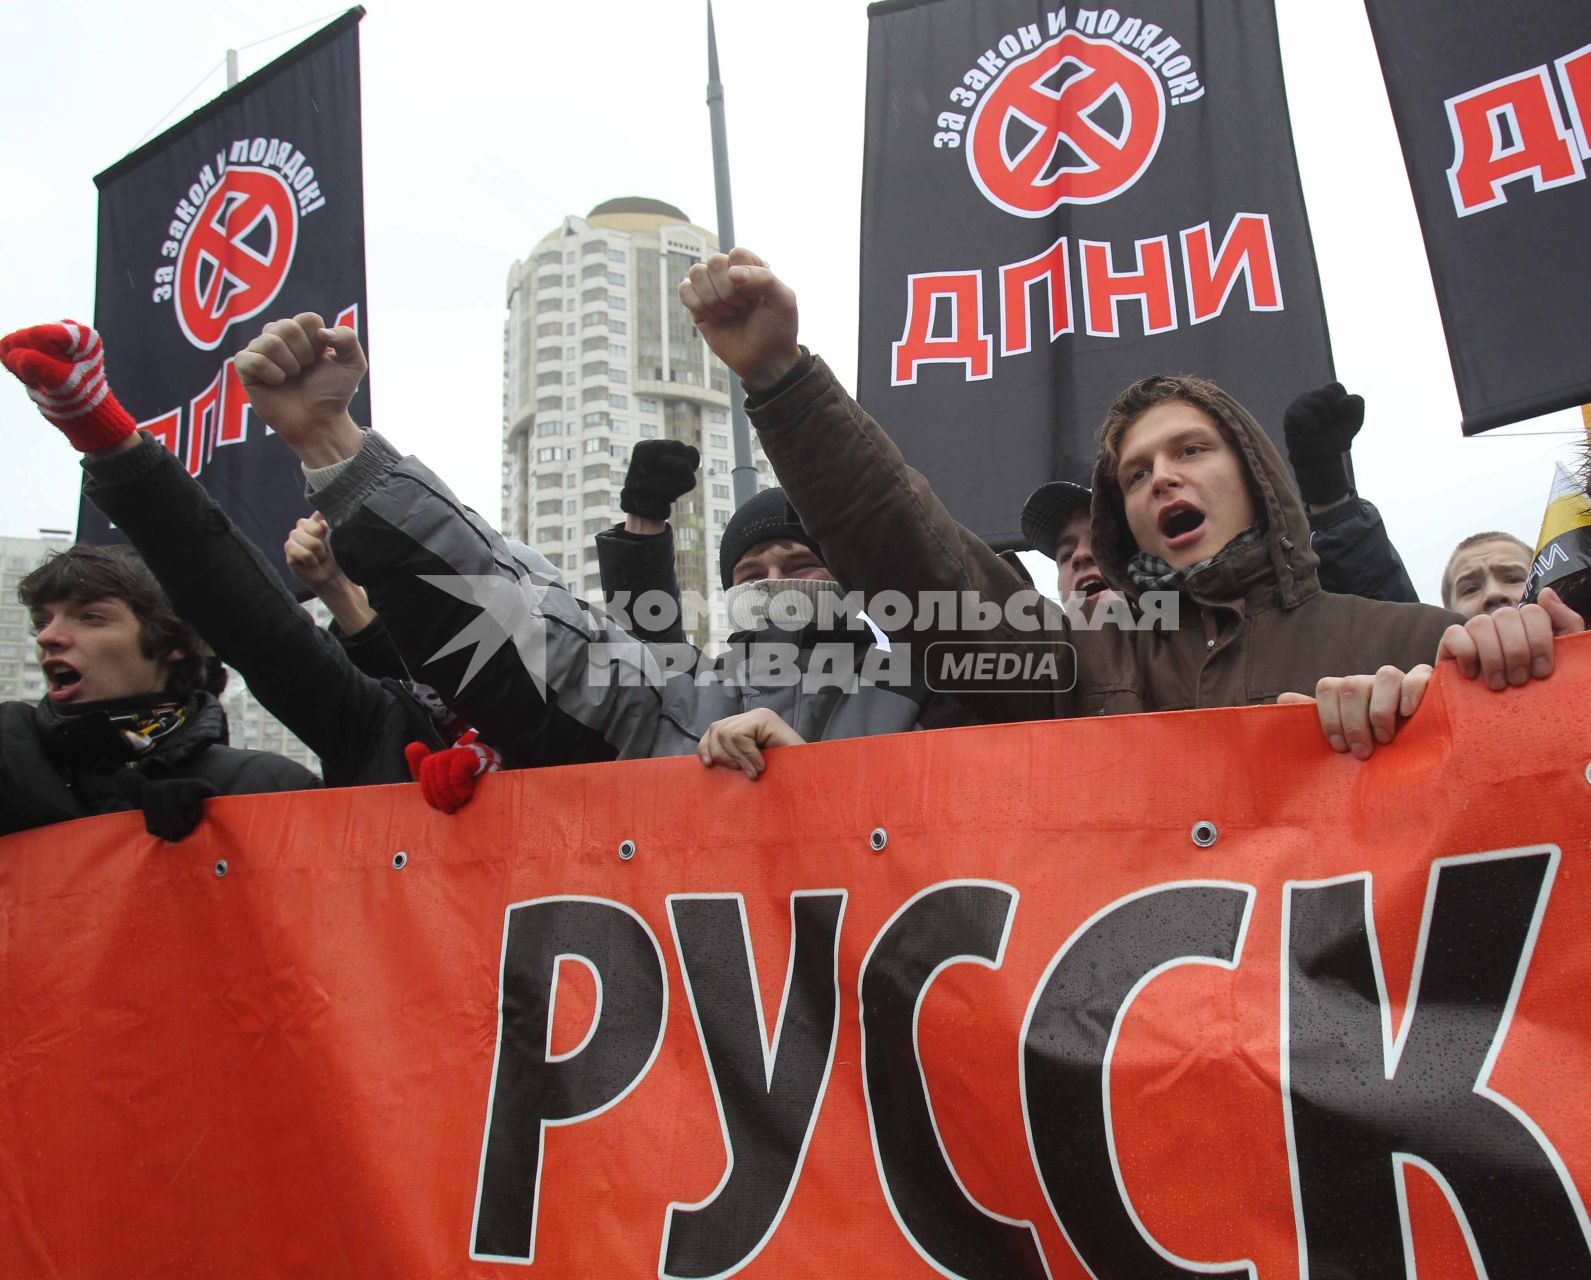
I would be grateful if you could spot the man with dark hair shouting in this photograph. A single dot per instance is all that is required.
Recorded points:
(130, 719)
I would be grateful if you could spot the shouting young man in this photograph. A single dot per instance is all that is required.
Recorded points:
(1191, 498)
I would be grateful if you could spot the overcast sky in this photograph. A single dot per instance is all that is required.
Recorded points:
(484, 124)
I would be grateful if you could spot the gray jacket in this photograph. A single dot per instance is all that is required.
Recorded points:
(493, 628)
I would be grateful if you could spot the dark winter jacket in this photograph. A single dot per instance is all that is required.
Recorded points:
(51, 773)
(220, 583)
(1357, 557)
(501, 638)
(1254, 623)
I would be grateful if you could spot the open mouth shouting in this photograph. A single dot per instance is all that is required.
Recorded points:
(63, 680)
(1181, 524)
(1090, 583)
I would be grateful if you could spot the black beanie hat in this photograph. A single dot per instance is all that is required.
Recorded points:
(765, 517)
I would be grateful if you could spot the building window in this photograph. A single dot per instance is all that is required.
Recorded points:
(721, 491)
(720, 517)
(616, 374)
(570, 402)
(618, 326)
(547, 455)
(718, 441)
(569, 329)
(618, 400)
(616, 255)
(717, 415)
(648, 430)
(545, 429)
(597, 444)
(616, 277)
(595, 526)
(547, 533)
(621, 453)
(647, 404)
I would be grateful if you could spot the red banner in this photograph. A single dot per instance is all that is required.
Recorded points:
(1149, 996)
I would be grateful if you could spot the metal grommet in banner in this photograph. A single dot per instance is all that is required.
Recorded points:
(400, 860)
(1588, 773)
(1204, 834)
(626, 850)
(878, 840)
(220, 867)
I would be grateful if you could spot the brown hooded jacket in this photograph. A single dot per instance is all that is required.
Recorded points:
(1253, 623)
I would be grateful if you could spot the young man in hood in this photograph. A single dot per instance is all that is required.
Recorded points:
(130, 719)
(1190, 496)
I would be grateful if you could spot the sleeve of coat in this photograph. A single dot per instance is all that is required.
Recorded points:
(1357, 557)
(220, 583)
(493, 629)
(634, 565)
(882, 529)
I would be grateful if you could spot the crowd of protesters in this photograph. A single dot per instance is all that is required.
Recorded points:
(1197, 568)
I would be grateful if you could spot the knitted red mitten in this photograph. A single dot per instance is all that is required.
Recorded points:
(63, 368)
(447, 777)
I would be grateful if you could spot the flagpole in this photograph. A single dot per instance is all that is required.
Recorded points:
(745, 472)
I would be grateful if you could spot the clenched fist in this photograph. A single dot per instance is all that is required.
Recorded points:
(300, 377)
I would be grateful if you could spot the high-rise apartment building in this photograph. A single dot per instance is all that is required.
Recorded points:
(21, 680)
(598, 354)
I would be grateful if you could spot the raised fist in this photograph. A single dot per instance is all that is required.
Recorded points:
(1320, 426)
(746, 314)
(300, 377)
(660, 471)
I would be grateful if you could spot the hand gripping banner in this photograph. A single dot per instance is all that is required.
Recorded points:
(249, 210)
(1157, 996)
(1493, 107)
(1059, 200)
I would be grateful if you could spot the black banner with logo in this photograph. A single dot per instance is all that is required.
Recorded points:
(1058, 201)
(1493, 107)
(250, 210)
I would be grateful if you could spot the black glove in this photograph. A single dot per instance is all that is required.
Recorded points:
(1320, 427)
(172, 807)
(660, 471)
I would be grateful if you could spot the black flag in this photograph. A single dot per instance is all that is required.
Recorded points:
(249, 210)
(1058, 201)
(1493, 107)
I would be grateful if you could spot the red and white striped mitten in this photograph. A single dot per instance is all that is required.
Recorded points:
(63, 367)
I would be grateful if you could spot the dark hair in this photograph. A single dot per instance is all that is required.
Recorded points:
(82, 574)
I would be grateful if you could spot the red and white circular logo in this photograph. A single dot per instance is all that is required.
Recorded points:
(236, 254)
(1076, 121)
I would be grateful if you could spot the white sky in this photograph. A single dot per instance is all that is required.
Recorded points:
(484, 124)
